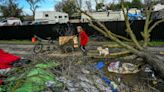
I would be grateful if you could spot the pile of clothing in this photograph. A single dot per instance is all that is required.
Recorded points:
(123, 68)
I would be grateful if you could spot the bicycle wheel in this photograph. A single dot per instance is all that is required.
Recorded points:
(38, 48)
(68, 49)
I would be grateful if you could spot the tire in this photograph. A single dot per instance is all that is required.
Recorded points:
(68, 49)
(38, 48)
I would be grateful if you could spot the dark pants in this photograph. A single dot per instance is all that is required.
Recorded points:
(83, 50)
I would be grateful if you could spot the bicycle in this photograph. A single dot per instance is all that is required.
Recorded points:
(40, 45)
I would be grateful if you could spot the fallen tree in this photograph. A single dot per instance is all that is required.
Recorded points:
(139, 49)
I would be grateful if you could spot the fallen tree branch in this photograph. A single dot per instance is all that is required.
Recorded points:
(115, 54)
(153, 26)
(145, 34)
(109, 35)
(103, 27)
(129, 30)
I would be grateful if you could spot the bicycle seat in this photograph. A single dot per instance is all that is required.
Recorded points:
(48, 38)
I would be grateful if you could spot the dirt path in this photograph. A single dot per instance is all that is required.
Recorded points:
(28, 49)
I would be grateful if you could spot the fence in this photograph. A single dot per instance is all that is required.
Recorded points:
(56, 30)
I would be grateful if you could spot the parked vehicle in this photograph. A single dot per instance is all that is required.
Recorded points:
(27, 23)
(10, 21)
(3, 22)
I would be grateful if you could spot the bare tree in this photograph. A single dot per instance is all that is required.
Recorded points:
(89, 5)
(68, 6)
(138, 48)
(10, 8)
(79, 3)
(33, 5)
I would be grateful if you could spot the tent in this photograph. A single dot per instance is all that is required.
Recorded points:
(7, 59)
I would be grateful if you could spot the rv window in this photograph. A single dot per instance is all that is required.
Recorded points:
(65, 16)
(60, 16)
(46, 15)
(55, 16)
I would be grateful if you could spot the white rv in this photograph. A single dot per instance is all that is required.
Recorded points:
(51, 17)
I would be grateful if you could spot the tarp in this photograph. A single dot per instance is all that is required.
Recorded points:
(134, 16)
(7, 59)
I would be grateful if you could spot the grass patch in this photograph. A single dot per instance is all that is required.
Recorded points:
(156, 43)
(15, 42)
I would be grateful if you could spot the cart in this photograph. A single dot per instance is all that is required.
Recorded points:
(66, 44)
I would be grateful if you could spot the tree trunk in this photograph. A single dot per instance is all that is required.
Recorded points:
(33, 16)
(157, 62)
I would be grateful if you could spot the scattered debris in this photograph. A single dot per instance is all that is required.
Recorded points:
(99, 65)
(124, 68)
(36, 79)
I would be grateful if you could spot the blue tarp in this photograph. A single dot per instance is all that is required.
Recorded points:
(134, 16)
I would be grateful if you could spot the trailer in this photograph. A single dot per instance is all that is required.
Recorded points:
(51, 17)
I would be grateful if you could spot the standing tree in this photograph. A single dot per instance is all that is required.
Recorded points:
(89, 6)
(137, 48)
(68, 6)
(10, 8)
(59, 7)
(137, 4)
(79, 3)
(33, 6)
(117, 6)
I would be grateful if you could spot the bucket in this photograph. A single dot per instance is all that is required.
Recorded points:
(33, 39)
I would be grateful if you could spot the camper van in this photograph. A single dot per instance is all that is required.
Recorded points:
(51, 17)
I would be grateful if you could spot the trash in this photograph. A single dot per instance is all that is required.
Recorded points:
(84, 83)
(124, 68)
(112, 84)
(150, 72)
(114, 66)
(37, 79)
(4, 71)
(21, 62)
(1, 81)
(128, 66)
(50, 83)
(99, 65)
(85, 71)
(106, 80)
(147, 69)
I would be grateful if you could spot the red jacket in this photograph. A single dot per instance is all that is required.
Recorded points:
(83, 38)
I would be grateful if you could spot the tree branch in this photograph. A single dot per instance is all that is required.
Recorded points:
(129, 30)
(98, 29)
(109, 35)
(146, 34)
(153, 26)
(121, 37)
(105, 29)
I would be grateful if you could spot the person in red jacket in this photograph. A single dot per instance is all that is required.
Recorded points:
(83, 37)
